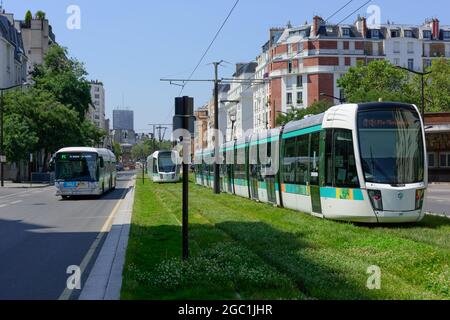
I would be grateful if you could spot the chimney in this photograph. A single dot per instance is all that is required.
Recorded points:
(317, 22)
(364, 27)
(435, 30)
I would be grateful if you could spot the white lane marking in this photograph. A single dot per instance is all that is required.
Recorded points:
(16, 202)
(3, 205)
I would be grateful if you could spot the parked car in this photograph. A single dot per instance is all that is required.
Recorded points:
(119, 167)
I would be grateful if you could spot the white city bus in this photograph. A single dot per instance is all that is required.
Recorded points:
(84, 171)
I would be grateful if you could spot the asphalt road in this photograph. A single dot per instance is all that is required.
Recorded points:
(42, 235)
(438, 199)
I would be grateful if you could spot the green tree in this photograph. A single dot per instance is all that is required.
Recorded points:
(117, 150)
(28, 18)
(65, 78)
(437, 86)
(297, 114)
(140, 151)
(20, 140)
(377, 80)
(40, 15)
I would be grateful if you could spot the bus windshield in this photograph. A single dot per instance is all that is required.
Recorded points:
(165, 162)
(76, 167)
(391, 145)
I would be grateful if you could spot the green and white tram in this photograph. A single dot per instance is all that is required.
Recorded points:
(84, 171)
(164, 166)
(355, 162)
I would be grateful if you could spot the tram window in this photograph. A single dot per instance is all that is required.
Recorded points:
(314, 157)
(329, 158)
(340, 164)
(155, 168)
(345, 173)
(302, 163)
(290, 157)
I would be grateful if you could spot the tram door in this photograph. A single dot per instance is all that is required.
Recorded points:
(254, 177)
(271, 193)
(314, 155)
(230, 178)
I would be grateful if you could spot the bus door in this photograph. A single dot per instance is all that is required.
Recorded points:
(314, 155)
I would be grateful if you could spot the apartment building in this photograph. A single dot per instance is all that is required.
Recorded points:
(37, 37)
(200, 140)
(97, 110)
(13, 61)
(302, 64)
(238, 105)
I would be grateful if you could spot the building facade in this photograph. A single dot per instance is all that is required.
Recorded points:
(97, 113)
(238, 105)
(438, 146)
(37, 37)
(200, 140)
(303, 64)
(13, 60)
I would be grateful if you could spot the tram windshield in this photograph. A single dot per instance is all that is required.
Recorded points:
(165, 162)
(391, 145)
(76, 167)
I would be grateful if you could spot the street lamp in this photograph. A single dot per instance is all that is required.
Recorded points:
(232, 116)
(422, 75)
(233, 121)
(2, 149)
(341, 100)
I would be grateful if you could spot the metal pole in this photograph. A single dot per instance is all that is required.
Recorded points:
(2, 103)
(143, 173)
(216, 128)
(423, 97)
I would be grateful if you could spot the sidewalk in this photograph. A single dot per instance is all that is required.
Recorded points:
(105, 279)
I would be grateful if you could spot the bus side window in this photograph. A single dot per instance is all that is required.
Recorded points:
(102, 162)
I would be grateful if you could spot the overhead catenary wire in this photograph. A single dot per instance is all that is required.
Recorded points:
(366, 3)
(209, 46)
(339, 10)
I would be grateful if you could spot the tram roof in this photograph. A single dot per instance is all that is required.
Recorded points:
(308, 122)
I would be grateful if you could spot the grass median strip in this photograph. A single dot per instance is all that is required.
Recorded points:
(242, 249)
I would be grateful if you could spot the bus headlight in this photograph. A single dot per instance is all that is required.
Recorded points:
(376, 199)
(420, 195)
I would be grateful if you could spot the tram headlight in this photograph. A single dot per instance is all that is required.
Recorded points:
(376, 199)
(420, 195)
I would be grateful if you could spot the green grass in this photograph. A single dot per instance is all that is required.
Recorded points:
(245, 250)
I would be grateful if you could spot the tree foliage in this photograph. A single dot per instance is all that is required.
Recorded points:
(298, 114)
(40, 15)
(140, 151)
(51, 114)
(437, 86)
(377, 80)
(28, 17)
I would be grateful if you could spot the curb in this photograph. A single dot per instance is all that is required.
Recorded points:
(105, 279)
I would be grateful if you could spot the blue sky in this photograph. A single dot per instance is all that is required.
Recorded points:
(130, 45)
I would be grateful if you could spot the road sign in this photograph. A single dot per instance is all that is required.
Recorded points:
(3, 159)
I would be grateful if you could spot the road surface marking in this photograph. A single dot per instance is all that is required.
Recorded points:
(3, 205)
(14, 194)
(16, 202)
(106, 227)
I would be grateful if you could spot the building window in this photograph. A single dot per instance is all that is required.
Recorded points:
(396, 47)
(300, 47)
(375, 34)
(428, 63)
(410, 47)
(444, 160)
(432, 160)
(346, 32)
(299, 97)
(289, 98)
(396, 61)
(408, 34)
(299, 81)
(290, 66)
(411, 64)
(427, 34)
(446, 35)
(395, 33)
